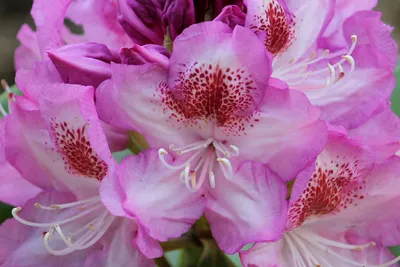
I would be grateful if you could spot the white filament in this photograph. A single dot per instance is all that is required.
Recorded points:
(308, 248)
(201, 162)
(86, 235)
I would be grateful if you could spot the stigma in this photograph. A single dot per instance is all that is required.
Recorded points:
(86, 220)
(200, 162)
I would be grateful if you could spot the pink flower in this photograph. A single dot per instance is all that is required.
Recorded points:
(334, 217)
(58, 145)
(214, 109)
(350, 84)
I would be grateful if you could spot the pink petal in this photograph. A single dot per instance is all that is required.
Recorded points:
(62, 144)
(28, 52)
(14, 190)
(155, 196)
(296, 138)
(264, 255)
(251, 207)
(337, 180)
(49, 19)
(31, 81)
(333, 36)
(381, 132)
(301, 21)
(131, 101)
(98, 19)
(376, 48)
(238, 55)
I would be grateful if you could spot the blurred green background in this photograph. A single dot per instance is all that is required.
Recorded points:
(14, 13)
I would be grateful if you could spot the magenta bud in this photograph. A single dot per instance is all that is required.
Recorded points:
(85, 63)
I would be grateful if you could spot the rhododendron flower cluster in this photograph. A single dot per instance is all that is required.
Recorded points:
(259, 122)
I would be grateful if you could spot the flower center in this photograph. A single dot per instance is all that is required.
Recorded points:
(296, 75)
(203, 156)
(10, 96)
(309, 249)
(90, 213)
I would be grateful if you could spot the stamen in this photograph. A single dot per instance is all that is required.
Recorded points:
(15, 212)
(235, 149)
(225, 162)
(68, 205)
(324, 244)
(212, 179)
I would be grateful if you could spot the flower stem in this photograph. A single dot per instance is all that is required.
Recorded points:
(162, 262)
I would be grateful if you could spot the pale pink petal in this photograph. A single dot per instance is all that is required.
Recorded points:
(117, 138)
(352, 100)
(337, 181)
(294, 141)
(381, 132)
(251, 207)
(155, 196)
(98, 18)
(28, 52)
(237, 55)
(131, 101)
(288, 28)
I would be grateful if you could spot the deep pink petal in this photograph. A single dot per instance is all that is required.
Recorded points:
(353, 100)
(251, 207)
(84, 64)
(232, 16)
(296, 138)
(155, 196)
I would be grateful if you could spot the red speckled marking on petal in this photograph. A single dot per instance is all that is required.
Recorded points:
(333, 187)
(278, 28)
(79, 157)
(210, 93)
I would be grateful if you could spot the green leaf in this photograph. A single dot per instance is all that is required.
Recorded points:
(396, 93)
(5, 212)
(208, 255)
